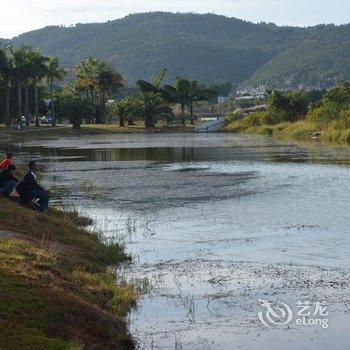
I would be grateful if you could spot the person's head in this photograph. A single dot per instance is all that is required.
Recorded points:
(9, 156)
(11, 169)
(33, 166)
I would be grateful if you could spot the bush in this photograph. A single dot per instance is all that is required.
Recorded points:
(344, 119)
(321, 116)
(274, 117)
(265, 118)
(254, 119)
(235, 115)
(293, 105)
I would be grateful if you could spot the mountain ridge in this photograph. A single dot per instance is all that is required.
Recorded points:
(204, 47)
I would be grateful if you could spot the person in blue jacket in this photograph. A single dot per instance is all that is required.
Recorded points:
(30, 189)
(8, 181)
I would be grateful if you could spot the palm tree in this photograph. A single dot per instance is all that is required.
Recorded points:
(3, 63)
(180, 93)
(150, 105)
(123, 110)
(3, 66)
(38, 63)
(27, 78)
(93, 75)
(20, 73)
(154, 86)
(87, 73)
(53, 72)
(198, 94)
(109, 80)
(6, 73)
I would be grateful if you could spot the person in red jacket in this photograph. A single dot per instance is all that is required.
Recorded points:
(6, 162)
(8, 181)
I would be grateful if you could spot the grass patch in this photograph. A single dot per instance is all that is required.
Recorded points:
(56, 289)
(113, 128)
(299, 130)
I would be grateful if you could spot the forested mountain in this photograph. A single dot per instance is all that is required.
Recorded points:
(321, 57)
(203, 47)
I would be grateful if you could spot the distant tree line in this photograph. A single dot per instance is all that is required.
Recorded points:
(21, 71)
(28, 78)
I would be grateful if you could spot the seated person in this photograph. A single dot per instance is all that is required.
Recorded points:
(6, 162)
(8, 181)
(30, 189)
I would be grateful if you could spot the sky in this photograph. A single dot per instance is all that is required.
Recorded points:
(19, 16)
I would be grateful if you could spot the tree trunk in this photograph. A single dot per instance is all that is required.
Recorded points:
(104, 110)
(93, 105)
(121, 122)
(191, 111)
(7, 115)
(26, 103)
(52, 104)
(101, 112)
(19, 97)
(76, 123)
(149, 122)
(36, 109)
(183, 114)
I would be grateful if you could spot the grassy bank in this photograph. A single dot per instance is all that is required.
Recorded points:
(56, 290)
(301, 115)
(299, 130)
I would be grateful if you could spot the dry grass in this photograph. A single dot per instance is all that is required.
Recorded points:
(299, 130)
(56, 290)
(113, 128)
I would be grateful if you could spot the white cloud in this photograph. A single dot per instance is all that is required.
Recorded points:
(18, 16)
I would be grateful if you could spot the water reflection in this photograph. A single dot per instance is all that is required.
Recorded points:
(272, 153)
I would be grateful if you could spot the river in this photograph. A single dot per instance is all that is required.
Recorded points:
(215, 224)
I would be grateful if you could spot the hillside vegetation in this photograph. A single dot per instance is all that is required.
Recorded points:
(202, 47)
(319, 114)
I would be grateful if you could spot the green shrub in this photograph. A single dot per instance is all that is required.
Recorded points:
(274, 117)
(254, 119)
(235, 115)
(344, 119)
(321, 116)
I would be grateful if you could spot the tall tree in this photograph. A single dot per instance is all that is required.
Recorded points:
(6, 74)
(149, 106)
(28, 76)
(39, 67)
(197, 94)
(73, 106)
(97, 77)
(154, 86)
(87, 73)
(123, 110)
(20, 73)
(53, 72)
(179, 93)
(109, 81)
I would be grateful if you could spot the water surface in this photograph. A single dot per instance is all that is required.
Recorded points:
(214, 222)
